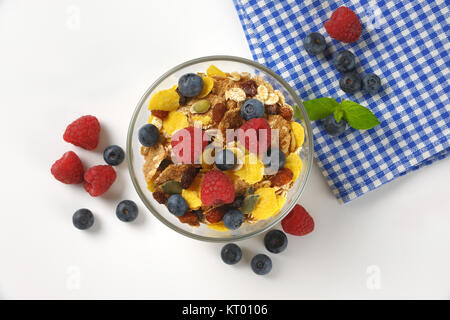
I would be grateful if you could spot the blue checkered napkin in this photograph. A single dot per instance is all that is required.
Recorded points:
(404, 42)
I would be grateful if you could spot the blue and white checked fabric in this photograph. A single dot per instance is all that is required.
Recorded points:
(404, 42)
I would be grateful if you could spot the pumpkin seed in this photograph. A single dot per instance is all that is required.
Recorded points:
(249, 203)
(171, 187)
(201, 106)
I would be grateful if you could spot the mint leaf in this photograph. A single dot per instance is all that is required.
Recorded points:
(338, 113)
(320, 108)
(297, 113)
(357, 116)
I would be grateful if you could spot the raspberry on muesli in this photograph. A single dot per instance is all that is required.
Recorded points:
(231, 113)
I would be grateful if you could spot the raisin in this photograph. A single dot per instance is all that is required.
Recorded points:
(249, 87)
(272, 109)
(160, 196)
(286, 112)
(215, 215)
(199, 213)
(160, 113)
(188, 177)
(237, 203)
(218, 112)
(183, 100)
(283, 176)
(164, 164)
(190, 218)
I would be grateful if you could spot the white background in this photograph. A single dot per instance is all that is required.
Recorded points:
(391, 243)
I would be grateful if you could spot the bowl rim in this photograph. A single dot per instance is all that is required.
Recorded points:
(129, 155)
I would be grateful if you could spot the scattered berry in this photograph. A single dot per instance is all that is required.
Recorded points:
(148, 135)
(332, 127)
(98, 179)
(298, 222)
(350, 82)
(68, 169)
(282, 177)
(215, 214)
(250, 87)
(216, 189)
(261, 264)
(83, 132)
(275, 241)
(233, 219)
(190, 85)
(127, 211)
(187, 152)
(252, 108)
(160, 113)
(177, 205)
(274, 160)
(188, 177)
(225, 159)
(83, 219)
(314, 43)
(344, 25)
(218, 111)
(114, 155)
(344, 61)
(231, 253)
(259, 128)
(371, 83)
(160, 196)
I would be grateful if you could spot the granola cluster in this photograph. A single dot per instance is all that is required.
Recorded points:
(259, 193)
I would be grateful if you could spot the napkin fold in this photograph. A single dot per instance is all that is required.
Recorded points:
(404, 42)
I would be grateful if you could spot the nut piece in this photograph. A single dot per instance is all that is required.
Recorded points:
(160, 113)
(286, 112)
(283, 176)
(218, 112)
(235, 94)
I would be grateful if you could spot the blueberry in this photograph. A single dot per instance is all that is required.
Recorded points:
(190, 85)
(371, 83)
(252, 108)
(314, 43)
(113, 155)
(148, 135)
(177, 205)
(233, 219)
(274, 160)
(225, 159)
(350, 82)
(275, 241)
(83, 219)
(231, 253)
(261, 264)
(344, 61)
(332, 127)
(127, 211)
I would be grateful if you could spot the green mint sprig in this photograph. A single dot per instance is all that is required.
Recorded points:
(357, 116)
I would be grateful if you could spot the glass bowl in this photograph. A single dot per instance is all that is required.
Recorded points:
(136, 160)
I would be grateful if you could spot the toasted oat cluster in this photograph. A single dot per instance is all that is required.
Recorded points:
(221, 149)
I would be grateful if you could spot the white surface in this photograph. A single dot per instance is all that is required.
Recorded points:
(51, 72)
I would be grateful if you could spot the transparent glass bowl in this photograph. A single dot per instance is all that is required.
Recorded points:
(136, 160)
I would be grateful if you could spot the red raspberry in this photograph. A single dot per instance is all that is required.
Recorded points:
(344, 25)
(83, 132)
(68, 169)
(217, 189)
(98, 179)
(258, 127)
(185, 152)
(298, 222)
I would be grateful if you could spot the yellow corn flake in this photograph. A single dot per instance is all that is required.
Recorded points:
(268, 203)
(295, 164)
(299, 133)
(208, 84)
(175, 121)
(281, 200)
(167, 100)
(150, 186)
(203, 119)
(214, 71)
(219, 226)
(192, 194)
(252, 170)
